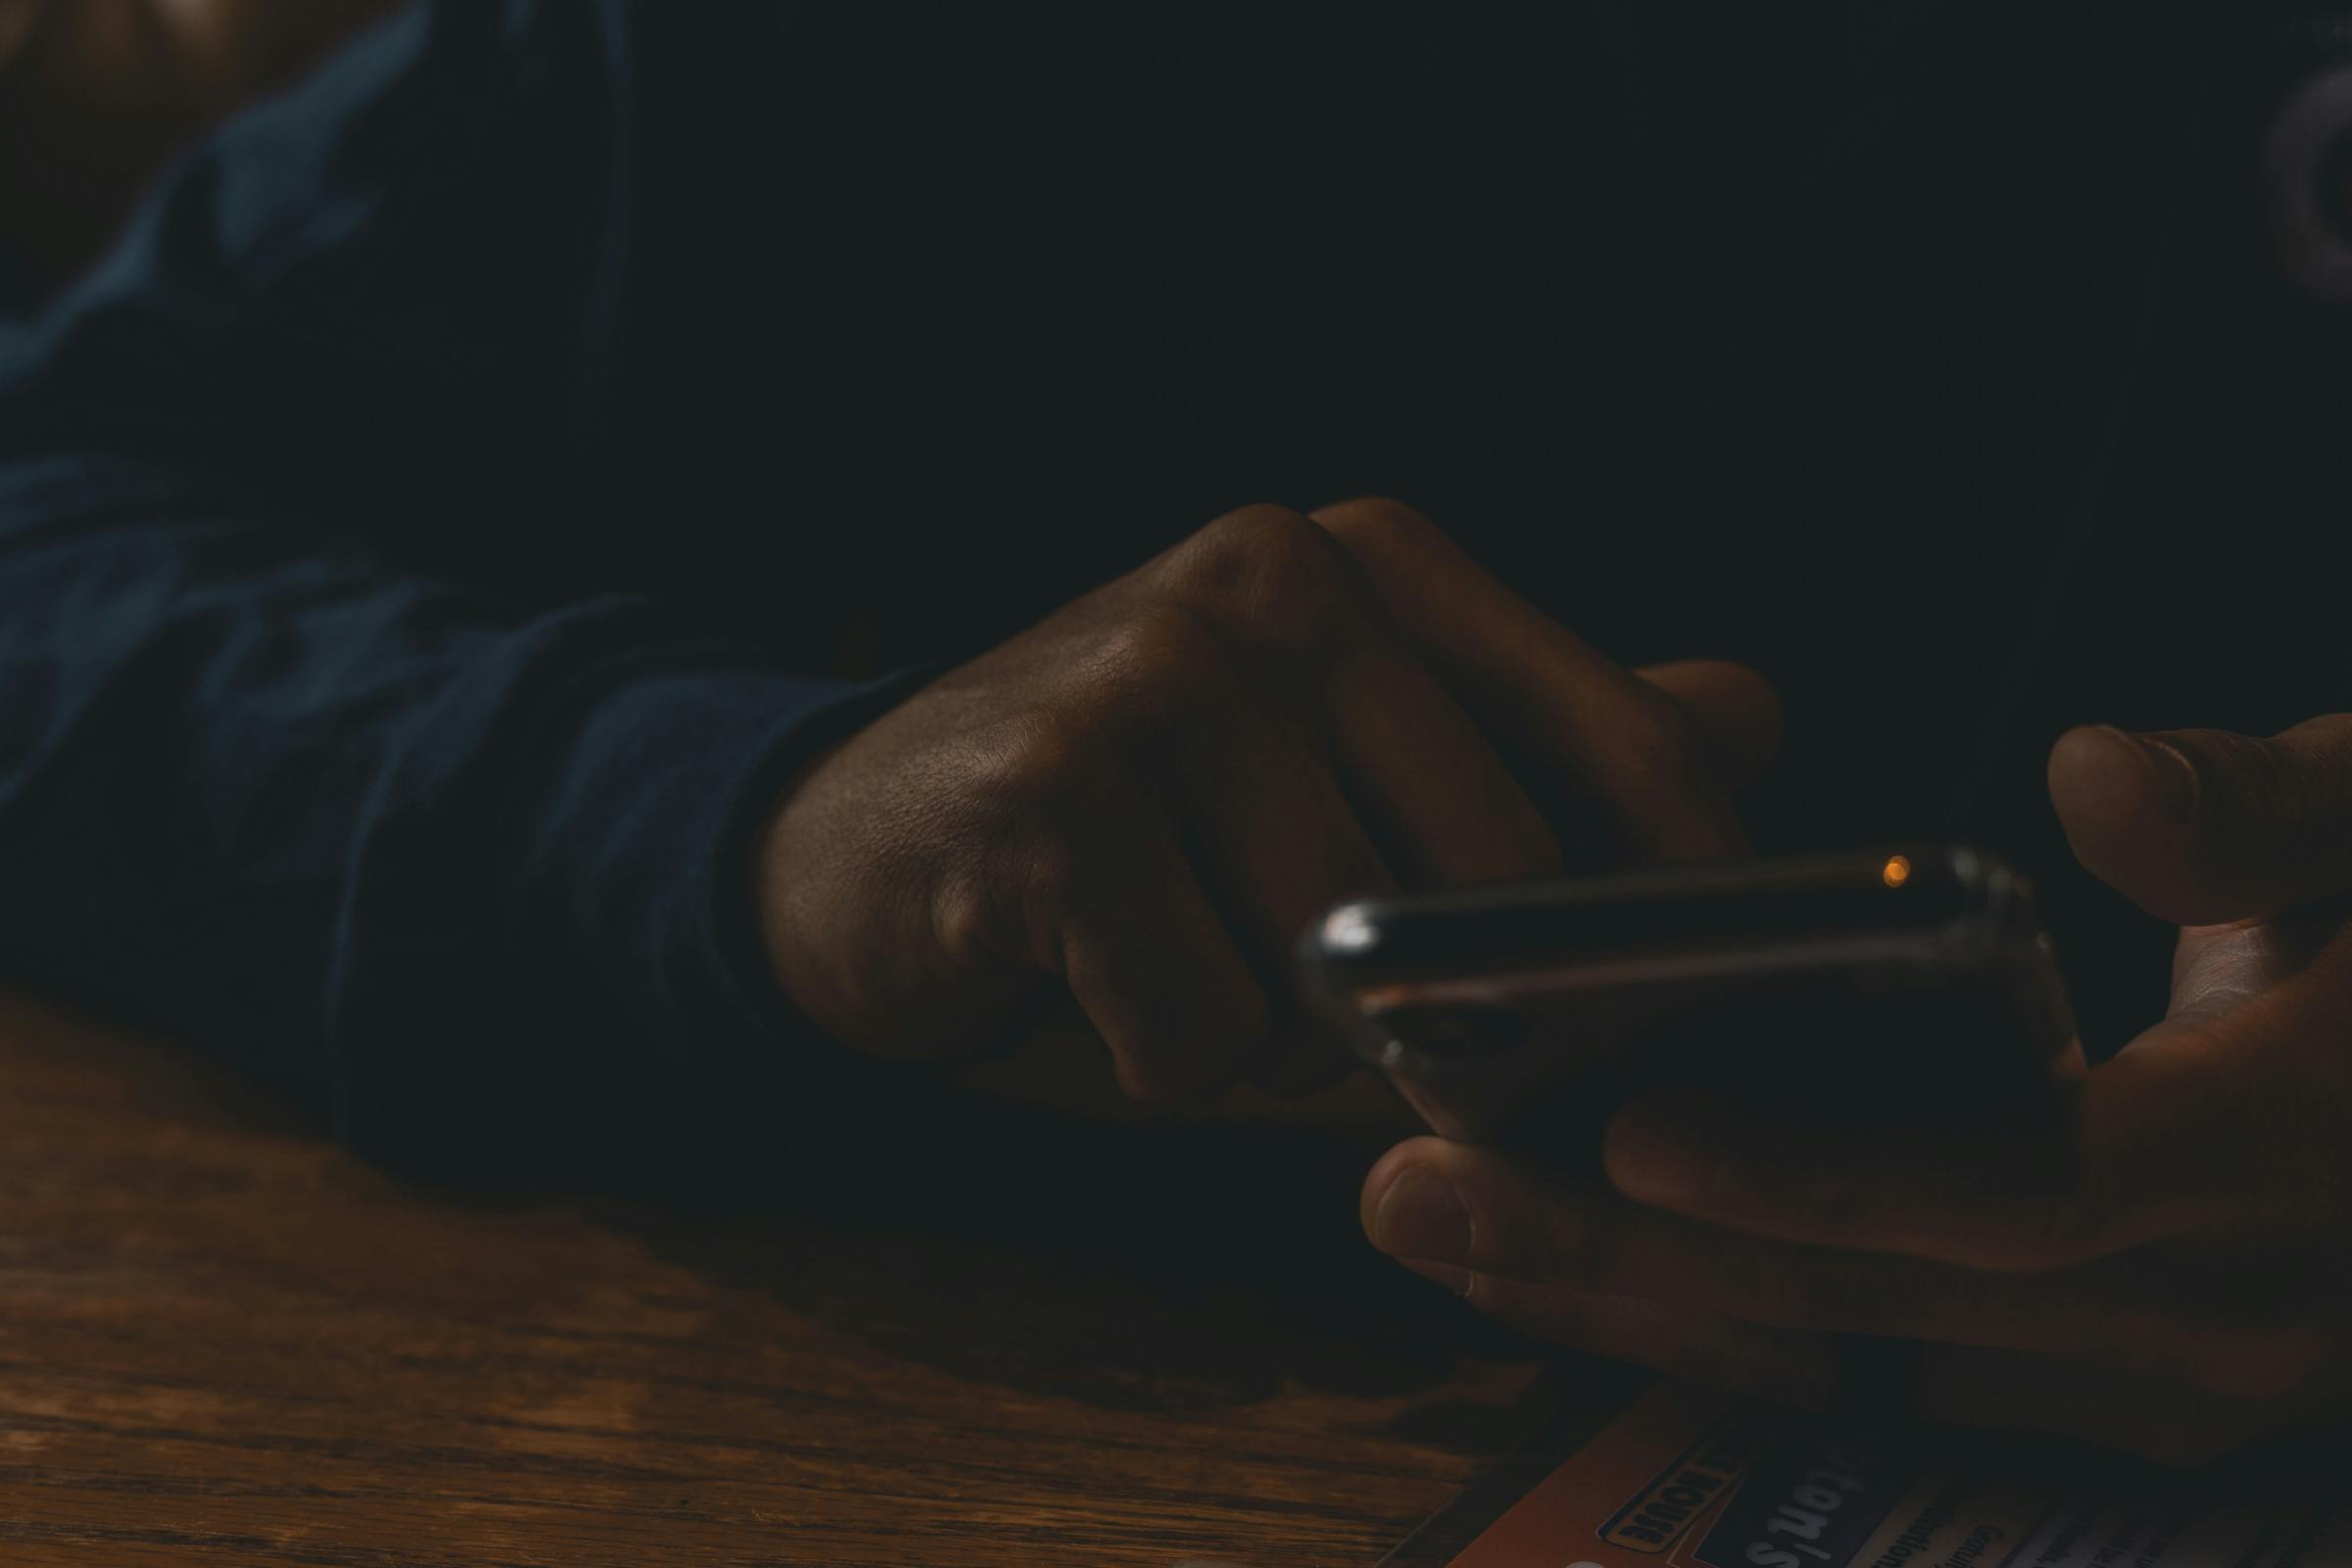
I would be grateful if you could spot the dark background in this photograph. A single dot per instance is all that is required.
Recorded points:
(1929, 356)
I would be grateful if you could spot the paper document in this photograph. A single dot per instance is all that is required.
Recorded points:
(1691, 1477)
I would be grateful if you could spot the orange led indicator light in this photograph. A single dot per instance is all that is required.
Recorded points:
(1896, 871)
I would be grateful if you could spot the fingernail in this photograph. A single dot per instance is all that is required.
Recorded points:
(1422, 1218)
(1654, 1158)
(2176, 778)
(2170, 770)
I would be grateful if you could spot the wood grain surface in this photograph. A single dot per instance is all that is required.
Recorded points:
(223, 1340)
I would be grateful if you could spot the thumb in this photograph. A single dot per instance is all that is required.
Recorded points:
(2202, 826)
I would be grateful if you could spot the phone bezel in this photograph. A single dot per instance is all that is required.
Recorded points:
(1954, 916)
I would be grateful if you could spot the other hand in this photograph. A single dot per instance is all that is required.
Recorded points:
(1148, 796)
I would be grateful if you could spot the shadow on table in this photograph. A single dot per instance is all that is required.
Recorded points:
(1164, 1269)
(1167, 1268)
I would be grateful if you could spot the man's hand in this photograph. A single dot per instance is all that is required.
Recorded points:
(1149, 794)
(2155, 1257)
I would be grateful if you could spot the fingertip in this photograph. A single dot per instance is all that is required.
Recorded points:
(1426, 1149)
(1653, 1152)
(2100, 770)
(1178, 1074)
(1413, 1154)
(2098, 790)
(2129, 806)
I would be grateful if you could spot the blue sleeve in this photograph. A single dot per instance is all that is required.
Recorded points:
(451, 862)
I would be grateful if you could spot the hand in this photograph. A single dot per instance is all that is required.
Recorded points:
(2155, 1257)
(1149, 795)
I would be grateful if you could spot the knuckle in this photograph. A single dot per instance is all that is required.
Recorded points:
(1166, 646)
(1017, 901)
(1036, 763)
(1037, 795)
(1050, 874)
(967, 917)
(1379, 524)
(1267, 571)
(2318, 748)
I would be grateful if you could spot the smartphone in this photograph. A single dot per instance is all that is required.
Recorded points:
(1914, 980)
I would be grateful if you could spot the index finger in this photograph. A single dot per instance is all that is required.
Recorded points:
(1542, 689)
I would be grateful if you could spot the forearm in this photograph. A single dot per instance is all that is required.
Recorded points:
(283, 769)
(419, 858)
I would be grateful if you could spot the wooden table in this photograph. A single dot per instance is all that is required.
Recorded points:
(223, 1340)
